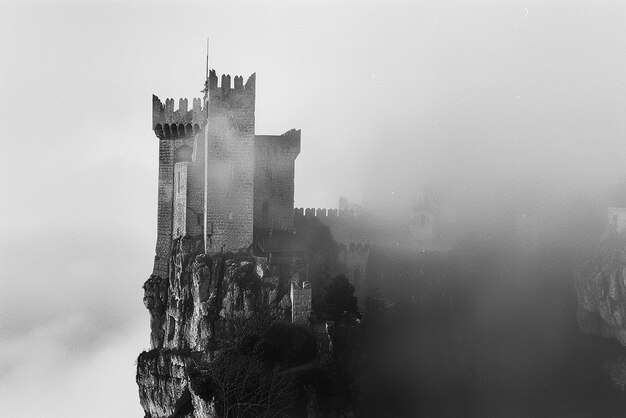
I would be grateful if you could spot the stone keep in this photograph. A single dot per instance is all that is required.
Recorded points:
(209, 162)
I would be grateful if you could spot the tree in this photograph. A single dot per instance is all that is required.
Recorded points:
(341, 304)
(243, 386)
(375, 311)
(257, 376)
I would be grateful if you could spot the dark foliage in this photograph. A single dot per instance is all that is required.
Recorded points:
(340, 303)
(245, 386)
(321, 257)
(288, 345)
(253, 377)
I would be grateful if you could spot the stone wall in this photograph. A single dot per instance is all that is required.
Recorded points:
(165, 208)
(301, 297)
(349, 226)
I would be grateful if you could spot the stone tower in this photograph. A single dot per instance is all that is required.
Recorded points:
(274, 171)
(206, 168)
(229, 197)
(181, 173)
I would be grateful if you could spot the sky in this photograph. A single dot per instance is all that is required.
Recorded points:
(471, 96)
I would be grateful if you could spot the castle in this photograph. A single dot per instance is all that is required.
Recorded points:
(231, 249)
(234, 189)
(217, 178)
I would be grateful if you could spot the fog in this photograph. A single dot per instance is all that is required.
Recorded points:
(492, 105)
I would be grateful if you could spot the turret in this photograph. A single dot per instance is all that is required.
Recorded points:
(168, 123)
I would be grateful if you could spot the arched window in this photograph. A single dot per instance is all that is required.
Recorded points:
(158, 130)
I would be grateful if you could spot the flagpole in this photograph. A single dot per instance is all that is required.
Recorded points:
(206, 150)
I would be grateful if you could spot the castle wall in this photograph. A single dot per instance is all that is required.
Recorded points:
(230, 174)
(274, 171)
(348, 226)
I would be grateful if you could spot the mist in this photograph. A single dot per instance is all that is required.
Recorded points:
(497, 108)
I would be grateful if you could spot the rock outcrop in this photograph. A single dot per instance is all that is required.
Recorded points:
(600, 283)
(205, 303)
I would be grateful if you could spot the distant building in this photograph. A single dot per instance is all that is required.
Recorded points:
(418, 227)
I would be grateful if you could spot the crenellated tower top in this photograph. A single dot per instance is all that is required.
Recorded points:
(170, 123)
(183, 122)
(226, 84)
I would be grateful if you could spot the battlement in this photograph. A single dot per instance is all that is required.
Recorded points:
(225, 85)
(325, 214)
(168, 123)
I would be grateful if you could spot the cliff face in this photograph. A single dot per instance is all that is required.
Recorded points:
(601, 288)
(204, 303)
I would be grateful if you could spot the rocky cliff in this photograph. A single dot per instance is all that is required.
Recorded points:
(196, 313)
(600, 283)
